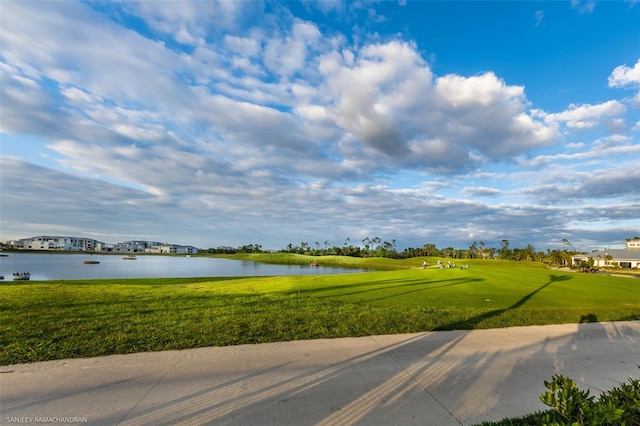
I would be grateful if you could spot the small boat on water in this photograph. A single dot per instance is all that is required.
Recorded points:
(130, 258)
(91, 262)
(21, 277)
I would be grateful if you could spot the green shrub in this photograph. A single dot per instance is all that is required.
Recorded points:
(533, 419)
(626, 397)
(571, 406)
(618, 406)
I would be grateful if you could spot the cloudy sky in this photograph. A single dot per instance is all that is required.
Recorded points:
(227, 123)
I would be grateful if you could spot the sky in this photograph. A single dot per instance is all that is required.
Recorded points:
(225, 123)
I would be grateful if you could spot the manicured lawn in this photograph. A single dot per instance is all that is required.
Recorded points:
(66, 319)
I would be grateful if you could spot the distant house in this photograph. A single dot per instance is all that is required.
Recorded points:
(628, 257)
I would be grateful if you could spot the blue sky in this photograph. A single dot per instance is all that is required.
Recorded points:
(228, 123)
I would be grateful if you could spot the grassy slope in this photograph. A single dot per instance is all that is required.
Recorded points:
(60, 319)
(379, 263)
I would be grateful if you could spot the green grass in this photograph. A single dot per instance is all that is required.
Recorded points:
(68, 319)
(379, 263)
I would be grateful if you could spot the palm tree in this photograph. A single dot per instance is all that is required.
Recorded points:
(482, 252)
(565, 241)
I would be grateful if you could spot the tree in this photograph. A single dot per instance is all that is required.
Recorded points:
(504, 252)
(376, 241)
(389, 246)
(490, 252)
(530, 252)
(564, 242)
(429, 249)
(557, 257)
(250, 248)
(473, 250)
(366, 241)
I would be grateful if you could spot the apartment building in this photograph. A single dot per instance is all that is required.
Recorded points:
(55, 243)
(60, 243)
(134, 246)
(172, 249)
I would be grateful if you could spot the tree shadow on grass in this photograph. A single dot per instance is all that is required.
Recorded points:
(386, 285)
(454, 282)
(472, 323)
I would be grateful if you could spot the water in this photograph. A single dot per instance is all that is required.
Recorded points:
(71, 267)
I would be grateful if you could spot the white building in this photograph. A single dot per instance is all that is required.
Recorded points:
(56, 243)
(628, 257)
(134, 246)
(172, 249)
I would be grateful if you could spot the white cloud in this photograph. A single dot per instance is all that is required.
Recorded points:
(481, 191)
(260, 126)
(368, 110)
(483, 90)
(390, 100)
(601, 149)
(585, 116)
(313, 112)
(287, 55)
(120, 66)
(192, 21)
(80, 97)
(583, 187)
(578, 145)
(583, 6)
(627, 78)
(624, 76)
(242, 45)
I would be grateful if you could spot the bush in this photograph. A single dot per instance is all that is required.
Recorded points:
(618, 406)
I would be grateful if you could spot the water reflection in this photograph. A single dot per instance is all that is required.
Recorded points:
(48, 266)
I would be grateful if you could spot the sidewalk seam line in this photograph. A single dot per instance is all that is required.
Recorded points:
(153, 387)
(415, 380)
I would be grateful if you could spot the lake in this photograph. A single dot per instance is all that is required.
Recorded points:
(43, 266)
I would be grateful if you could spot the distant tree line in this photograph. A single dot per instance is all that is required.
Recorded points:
(479, 250)
(370, 247)
(376, 247)
(248, 248)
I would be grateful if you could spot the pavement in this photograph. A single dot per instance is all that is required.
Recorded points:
(434, 378)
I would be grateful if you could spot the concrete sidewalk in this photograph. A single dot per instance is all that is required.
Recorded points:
(436, 378)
